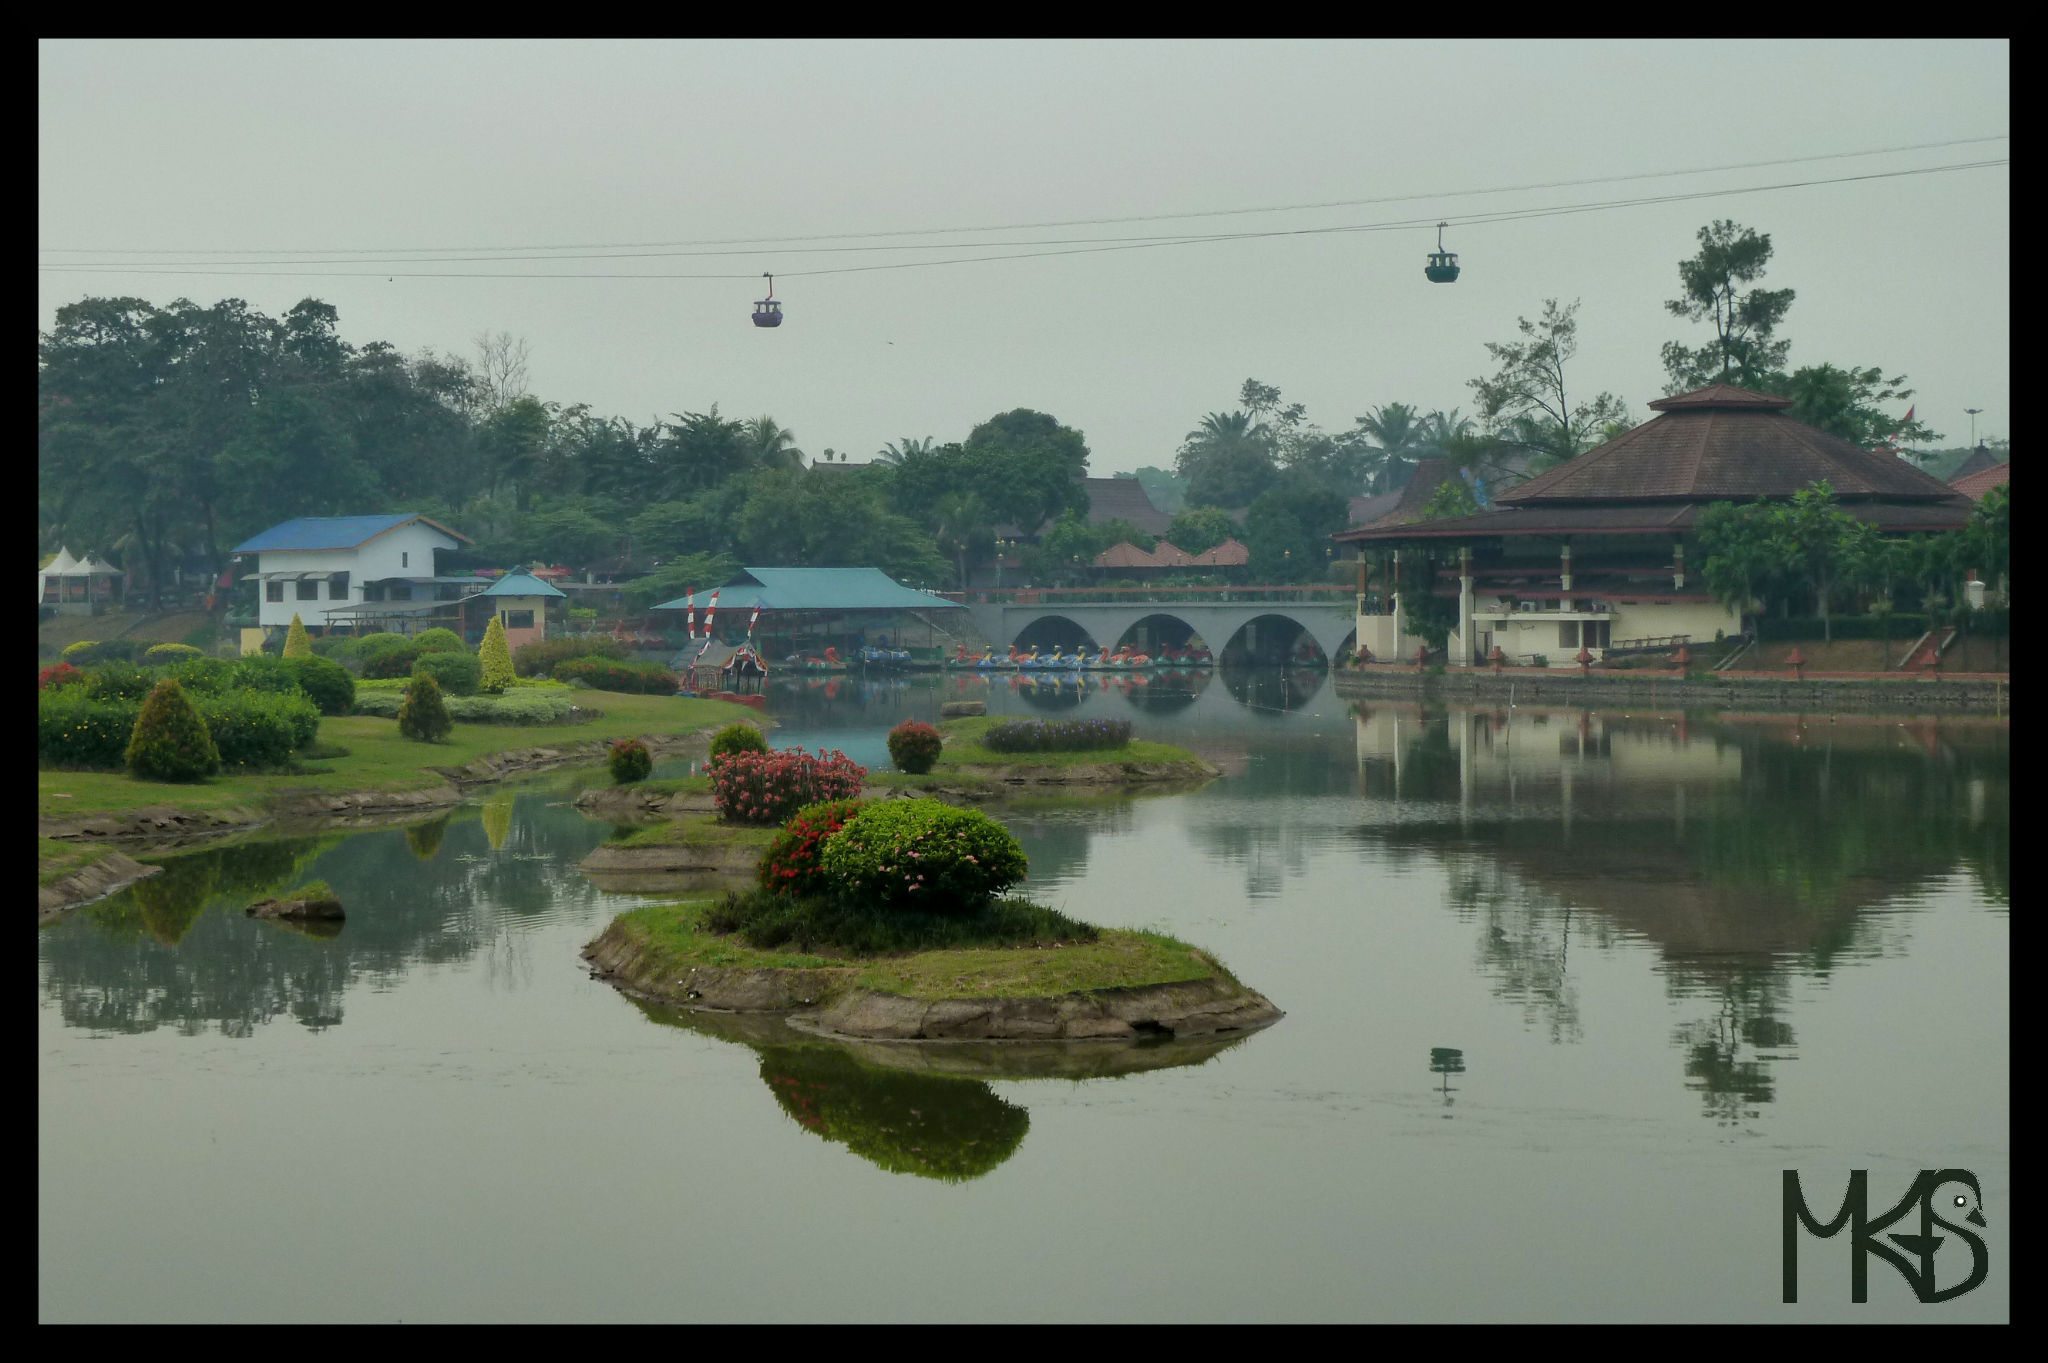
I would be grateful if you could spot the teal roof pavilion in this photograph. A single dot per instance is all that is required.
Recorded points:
(813, 589)
(522, 584)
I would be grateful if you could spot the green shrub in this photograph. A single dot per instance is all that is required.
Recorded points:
(1056, 735)
(806, 922)
(456, 673)
(914, 746)
(390, 662)
(514, 707)
(737, 737)
(630, 761)
(342, 648)
(421, 715)
(160, 655)
(119, 681)
(606, 674)
(204, 637)
(790, 865)
(86, 653)
(326, 683)
(922, 854)
(496, 658)
(767, 788)
(171, 742)
(75, 730)
(204, 676)
(540, 656)
(297, 643)
(257, 730)
(276, 675)
(439, 640)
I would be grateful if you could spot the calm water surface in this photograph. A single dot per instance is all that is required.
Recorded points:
(1566, 992)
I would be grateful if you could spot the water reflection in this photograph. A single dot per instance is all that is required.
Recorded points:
(1274, 688)
(921, 1110)
(176, 951)
(1747, 851)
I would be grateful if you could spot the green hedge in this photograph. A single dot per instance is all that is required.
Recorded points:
(73, 729)
(326, 683)
(250, 729)
(607, 674)
(458, 674)
(550, 706)
(257, 729)
(541, 655)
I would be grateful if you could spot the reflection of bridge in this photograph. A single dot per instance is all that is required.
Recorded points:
(1113, 616)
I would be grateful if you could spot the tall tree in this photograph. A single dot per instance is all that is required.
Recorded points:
(1716, 287)
(1849, 403)
(1227, 460)
(501, 362)
(1527, 403)
(772, 446)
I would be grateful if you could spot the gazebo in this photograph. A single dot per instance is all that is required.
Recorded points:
(78, 586)
(521, 600)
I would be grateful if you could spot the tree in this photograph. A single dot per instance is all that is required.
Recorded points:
(1846, 402)
(1821, 536)
(1743, 551)
(1527, 405)
(1066, 551)
(1199, 529)
(909, 447)
(1166, 489)
(495, 657)
(963, 529)
(501, 369)
(170, 741)
(1227, 460)
(1030, 467)
(423, 715)
(1396, 440)
(296, 644)
(1742, 351)
(1288, 529)
(772, 446)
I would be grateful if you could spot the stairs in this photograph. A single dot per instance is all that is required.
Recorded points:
(1926, 653)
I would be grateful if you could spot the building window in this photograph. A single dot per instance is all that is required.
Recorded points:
(309, 589)
(1568, 634)
(273, 591)
(404, 559)
(1597, 633)
(373, 591)
(518, 619)
(337, 587)
(448, 591)
(401, 591)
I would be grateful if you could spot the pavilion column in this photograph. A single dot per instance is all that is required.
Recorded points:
(1565, 573)
(1678, 566)
(1465, 640)
(1400, 611)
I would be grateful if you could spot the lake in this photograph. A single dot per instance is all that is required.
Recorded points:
(1566, 992)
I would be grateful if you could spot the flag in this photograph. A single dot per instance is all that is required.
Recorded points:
(1909, 417)
(710, 609)
(752, 618)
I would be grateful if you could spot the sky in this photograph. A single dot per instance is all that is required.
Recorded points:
(198, 155)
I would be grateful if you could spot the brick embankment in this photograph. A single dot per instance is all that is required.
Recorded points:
(1726, 690)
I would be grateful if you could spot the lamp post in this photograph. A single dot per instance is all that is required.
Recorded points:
(1973, 411)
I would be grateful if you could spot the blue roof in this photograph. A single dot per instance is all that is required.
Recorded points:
(813, 589)
(332, 532)
(521, 584)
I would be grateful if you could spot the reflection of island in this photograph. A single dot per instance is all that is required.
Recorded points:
(919, 1109)
(1744, 850)
(174, 950)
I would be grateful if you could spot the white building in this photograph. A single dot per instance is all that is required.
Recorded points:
(325, 569)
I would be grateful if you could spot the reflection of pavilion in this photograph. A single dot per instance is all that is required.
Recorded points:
(1742, 851)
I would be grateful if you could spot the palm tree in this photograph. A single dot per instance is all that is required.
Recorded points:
(909, 447)
(1396, 439)
(1228, 459)
(772, 446)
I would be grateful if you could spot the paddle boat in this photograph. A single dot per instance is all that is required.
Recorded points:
(831, 662)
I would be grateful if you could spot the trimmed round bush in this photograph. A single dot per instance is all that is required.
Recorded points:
(737, 737)
(160, 655)
(914, 746)
(205, 676)
(496, 657)
(342, 648)
(457, 673)
(77, 651)
(58, 674)
(326, 683)
(171, 741)
(75, 730)
(630, 761)
(790, 866)
(421, 715)
(767, 788)
(922, 854)
(264, 673)
(440, 641)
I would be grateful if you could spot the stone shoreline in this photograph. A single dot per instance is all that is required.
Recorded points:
(825, 1002)
(110, 873)
(1557, 686)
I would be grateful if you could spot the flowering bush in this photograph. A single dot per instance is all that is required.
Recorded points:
(913, 747)
(737, 737)
(790, 865)
(119, 681)
(922, 854)
(73, 729)
(763, 788)
(609, 674)
(1056, 735)
(630, 761)
(57, 674)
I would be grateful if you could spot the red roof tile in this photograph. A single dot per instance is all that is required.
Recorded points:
(1975, 485)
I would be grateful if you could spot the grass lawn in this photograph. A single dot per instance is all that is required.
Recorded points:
(696, 828)
(55, 860)
(378, 759)
(963, 748)
(1118, 960)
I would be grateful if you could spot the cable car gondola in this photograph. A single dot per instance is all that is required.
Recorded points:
(1443, 265)
(768, 312)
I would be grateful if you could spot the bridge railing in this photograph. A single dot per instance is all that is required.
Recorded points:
(1127, 596)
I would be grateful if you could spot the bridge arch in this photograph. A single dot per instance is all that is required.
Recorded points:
(1053, 630)
(1150, 633)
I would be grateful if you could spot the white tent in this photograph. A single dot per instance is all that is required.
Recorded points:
(64, 570)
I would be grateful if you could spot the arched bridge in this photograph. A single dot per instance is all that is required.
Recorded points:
(1111, 617)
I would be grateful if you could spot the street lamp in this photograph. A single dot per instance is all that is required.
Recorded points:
(1973, 411)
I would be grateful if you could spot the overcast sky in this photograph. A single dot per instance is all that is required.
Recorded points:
(212, 147)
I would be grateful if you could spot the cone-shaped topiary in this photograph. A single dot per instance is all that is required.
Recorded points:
(171, 742)
(296, 644)
(496, 658)
(422, 715)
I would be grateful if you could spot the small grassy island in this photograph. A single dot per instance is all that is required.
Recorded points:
(1078, 752)
(890, 919)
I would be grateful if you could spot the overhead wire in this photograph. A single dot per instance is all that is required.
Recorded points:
(285, 269)
(1036, 226)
